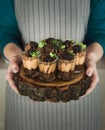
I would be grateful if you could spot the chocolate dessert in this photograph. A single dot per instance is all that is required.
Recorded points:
(66, 65)
(47, 67)
(51, 71)
(80, 52)
(30, 59)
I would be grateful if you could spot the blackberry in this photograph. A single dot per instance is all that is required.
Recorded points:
(59, 42)
(49, 40)
(49, 59)
(30, 51)
(33, 44)
(68, 45)
(76, 48)
(67, 42)
(67, 56)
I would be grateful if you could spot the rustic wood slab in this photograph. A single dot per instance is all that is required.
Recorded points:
(56, 91)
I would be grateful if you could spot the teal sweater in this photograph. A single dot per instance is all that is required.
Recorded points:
(9, 31)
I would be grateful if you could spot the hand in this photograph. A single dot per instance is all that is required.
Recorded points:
(92, 72)
(12, 68)
(94, 53)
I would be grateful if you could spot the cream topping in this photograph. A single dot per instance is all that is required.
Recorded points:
(80, 58)
(47, 68)
(66, 66)
(30, 62)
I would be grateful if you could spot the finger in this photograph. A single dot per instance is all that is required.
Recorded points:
(91, 88)
(13, 68)
(90, 69)
(93, 84)
(9, 77)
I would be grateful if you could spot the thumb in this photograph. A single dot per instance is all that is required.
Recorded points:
(15, 67)
(90, 69)
(14, 64)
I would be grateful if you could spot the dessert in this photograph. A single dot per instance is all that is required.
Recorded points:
(30, 59)
(47, 67)
(66, 65)
(80, 52)
(53, 70)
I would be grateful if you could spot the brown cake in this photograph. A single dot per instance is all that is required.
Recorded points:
(53, 70)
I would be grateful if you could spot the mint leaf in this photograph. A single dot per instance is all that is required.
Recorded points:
(83, 46)
(76, 43)
(52, 54)
(72, 52)
(54, 41)
(41, 44)
(35, 54)
(62, 47)
(71, 40)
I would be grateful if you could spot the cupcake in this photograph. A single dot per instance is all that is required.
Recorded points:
(30, 59)
(47, 67)
(80, 52)
(66, 65)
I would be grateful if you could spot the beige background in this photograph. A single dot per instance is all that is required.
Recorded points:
(3, 69)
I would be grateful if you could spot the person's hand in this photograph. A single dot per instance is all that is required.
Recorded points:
(12, 69)
(94, 53)
(91, 72)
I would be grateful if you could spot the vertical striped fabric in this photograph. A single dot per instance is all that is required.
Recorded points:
(25, 114)
(65, 19)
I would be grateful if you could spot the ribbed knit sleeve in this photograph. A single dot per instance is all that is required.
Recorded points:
(9, 31)
(96, 24)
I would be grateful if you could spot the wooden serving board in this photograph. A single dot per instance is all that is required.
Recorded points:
(55, 91)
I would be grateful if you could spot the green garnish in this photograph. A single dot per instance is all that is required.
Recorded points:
(57, 42)
(76, 43)
(82, 46)
(41, 44)
(72, 52)
(54, 41)
(71, 40)
(62, 47)
(35, 54)
(52, 54)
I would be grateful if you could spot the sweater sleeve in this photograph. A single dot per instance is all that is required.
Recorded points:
(96, 24)
(9, 31)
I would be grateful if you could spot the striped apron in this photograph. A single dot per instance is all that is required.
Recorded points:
(40, 19)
